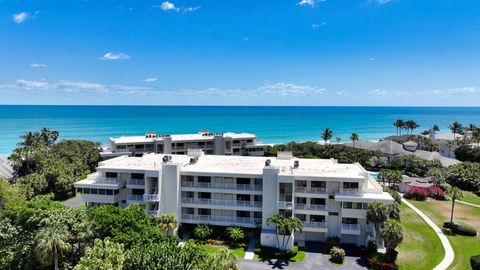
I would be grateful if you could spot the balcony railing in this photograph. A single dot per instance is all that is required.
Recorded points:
(151, 197)
(314, 224)
(153, 212)
(235, 203)
(350, 192)
(312, 207)
(136, 182)
(311, 190)
(354, 228)
(109, 180)
(230, 186)
(284, 205)
(226, 219)
(134, 198)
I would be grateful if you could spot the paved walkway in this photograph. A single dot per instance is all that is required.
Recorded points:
(449, 255)
(467, 203)
(186, 236)
(250, 253)
(75, 201)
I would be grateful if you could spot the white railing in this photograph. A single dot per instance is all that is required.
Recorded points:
(314, 224)
(226, 219)
(236, 203)
(313, 207)
(136, 182)
(311, 190)
(153, 212)
(109, 180)
(151, 197)
(350, 191)
(134, 197)
(221, 186)
(284, 205)
(351, 227)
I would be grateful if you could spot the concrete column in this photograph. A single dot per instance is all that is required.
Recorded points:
(167, 145)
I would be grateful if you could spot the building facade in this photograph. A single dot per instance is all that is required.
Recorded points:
(329, 198)
(237, 144)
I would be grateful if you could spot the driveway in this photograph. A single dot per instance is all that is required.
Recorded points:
(75, 202)
(315, 260)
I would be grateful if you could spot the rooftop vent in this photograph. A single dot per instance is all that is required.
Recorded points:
(166, 158)
(268, 162)
(296, 163)
(193, 160)
(150, 135)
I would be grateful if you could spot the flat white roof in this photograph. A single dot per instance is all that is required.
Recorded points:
(181, 137)
(240, 165)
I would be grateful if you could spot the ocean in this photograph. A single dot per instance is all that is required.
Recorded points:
(271, 124)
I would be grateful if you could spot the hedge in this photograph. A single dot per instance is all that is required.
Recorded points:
(460, 228)
(475, 262)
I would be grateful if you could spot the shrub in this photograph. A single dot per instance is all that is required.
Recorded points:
(392, 254)
(461, 229)
(395, 195)
(416, 193)
(475, 262)
(376, 265)
(332, 241)
(372, 246)
(437, 193)
(337, 255)
(202, 231)
(235, 234)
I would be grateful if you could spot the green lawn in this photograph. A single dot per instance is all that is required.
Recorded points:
(470, 198)
(463, 246)
(421, 248)
(264, 253)
(238, 251)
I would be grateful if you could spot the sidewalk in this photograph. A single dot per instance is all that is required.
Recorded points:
(249, 254)
(449, 255)
(185, 238)
(467, 203)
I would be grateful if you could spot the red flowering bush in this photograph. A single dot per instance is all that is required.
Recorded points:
(376, 265)
(437, 193)
(417, 193)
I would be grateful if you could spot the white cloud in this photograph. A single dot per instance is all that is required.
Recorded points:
(21, 17)
(169, 6)
(379, 2)
(318, 25)
(149, 80)
(289, 89)
(377, 92)
(310, 3)
(27, 84)
(114, 56)
(37, 65)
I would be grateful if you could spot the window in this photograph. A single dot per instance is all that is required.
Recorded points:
(352, 185)
(347, 205)
(86, 191)
(121, 147)
(111, 174)
(349, 221)
(115, 191)
(109, 192)
(137, 176)
(94, 191)
(101, 191)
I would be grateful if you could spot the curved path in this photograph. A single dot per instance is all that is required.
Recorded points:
(467, 203)
(449, 255)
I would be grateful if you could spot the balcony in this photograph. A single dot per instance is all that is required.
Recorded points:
(134, 198)
(108, 180)
(153, 212)
(135, 183)
(221, 220)
(311, 207)
(350, 229)
(234, 203)
(284, 205)
(314, 224)
(227, 186)
(151, 197)
(311, 190)
(350, 192)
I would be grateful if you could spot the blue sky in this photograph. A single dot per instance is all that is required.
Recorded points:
(288, 52)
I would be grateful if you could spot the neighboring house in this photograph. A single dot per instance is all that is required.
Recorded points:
(409, 182)
(391, 149)
(237, 144)
(6, 169)
(329, 198)
(447, 142)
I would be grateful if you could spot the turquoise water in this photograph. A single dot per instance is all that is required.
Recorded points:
(271, 124)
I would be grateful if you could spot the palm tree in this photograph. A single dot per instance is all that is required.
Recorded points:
(392, 233)
(437, 175)
(338, 139)
(167, 223)
(411, 125)
(48, 136)
(354, 137)
(50, 243)
(277, 220)
(454, 193)
(435, 128)
(455, 127)
(472, 127)
(327, 134)
(285, 227)
(399, 124)
(29, 139)
(236, 234)
(291, 225)
(476, 136)
(377, 212)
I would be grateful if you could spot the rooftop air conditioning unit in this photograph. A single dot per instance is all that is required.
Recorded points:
(166, 158)
(268, 162)
(296, 163)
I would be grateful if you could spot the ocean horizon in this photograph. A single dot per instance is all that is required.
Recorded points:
(271, 124)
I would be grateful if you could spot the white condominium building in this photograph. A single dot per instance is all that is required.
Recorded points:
(330, 198)
(237, 144)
